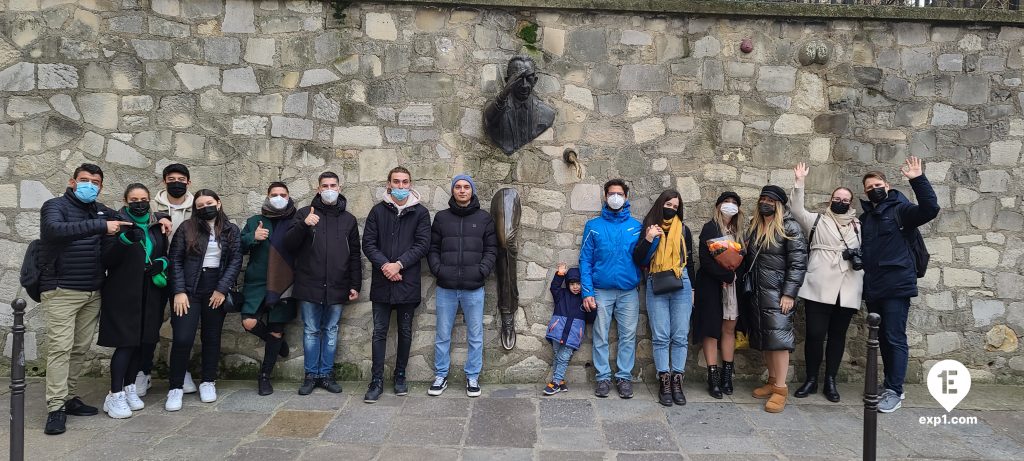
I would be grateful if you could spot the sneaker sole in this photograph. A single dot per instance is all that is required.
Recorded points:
(107, 411)
(897, 407)
(369, 401)
(402, 393)
(171, 409)
(473, 394)
(434, 393)
(207, 401)
(137, 409)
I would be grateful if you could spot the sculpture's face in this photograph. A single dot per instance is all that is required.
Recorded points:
(523, 86)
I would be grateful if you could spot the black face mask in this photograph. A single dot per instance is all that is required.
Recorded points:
(138, 209)
(766, 209)
(877, 194)
(668, 213)
(177, 189)
(207, 213)
(839, 207)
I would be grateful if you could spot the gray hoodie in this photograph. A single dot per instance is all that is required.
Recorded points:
(179, 213)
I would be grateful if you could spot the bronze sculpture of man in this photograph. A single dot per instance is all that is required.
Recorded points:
(512, 122)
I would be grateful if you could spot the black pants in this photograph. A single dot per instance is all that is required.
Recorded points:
(184, 331)
(146, 353)
(381, 323)
(272, 344)
(826, 322)
(124, 365)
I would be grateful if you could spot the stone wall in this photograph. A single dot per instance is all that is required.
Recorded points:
(248, 92)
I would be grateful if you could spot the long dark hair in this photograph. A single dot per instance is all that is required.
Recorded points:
(655, 217)
(135, 186)
(197, 232)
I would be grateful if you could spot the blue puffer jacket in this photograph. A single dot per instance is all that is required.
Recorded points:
(606, 258)
(889, 270)
(568, 318)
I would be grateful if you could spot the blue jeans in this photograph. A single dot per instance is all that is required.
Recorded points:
(624, 307)
(447, 304)
(892, 339)
(562, 355)
(319, 337)
(669, 315)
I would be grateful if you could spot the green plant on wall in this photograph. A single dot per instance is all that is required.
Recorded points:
(338, 8)
(528, 34)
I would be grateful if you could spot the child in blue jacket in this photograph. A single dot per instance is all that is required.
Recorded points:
(565, 330)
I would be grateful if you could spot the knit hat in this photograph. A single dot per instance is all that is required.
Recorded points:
(572, 275)
(463, 177)
(728, 195)
(775, 193)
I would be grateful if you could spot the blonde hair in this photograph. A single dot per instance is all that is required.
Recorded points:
(734, 228)
(765, 232)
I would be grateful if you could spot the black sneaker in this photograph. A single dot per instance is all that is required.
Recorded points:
(76, 407)
(263, 385)
(602, 388)
(374, 391)
(473, 387)
(562, 387)
(400, 387)
(55, 422)
(438, 386)
(625, 388)
(308, 384)
(330, 385)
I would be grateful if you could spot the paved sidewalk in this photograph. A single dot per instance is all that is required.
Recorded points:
(517, 423)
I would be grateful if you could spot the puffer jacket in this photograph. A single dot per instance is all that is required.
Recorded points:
(778, 270)
(327, 262)
(463, 246)
(71, 234)
(187, 266)
(403, 235)
(568, 319)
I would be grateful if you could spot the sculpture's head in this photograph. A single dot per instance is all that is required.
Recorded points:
(523, 86)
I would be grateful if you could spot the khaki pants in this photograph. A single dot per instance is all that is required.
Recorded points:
(71, 318)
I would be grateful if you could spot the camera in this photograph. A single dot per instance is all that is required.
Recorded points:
(855, 257)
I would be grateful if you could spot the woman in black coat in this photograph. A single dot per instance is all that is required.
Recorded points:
(776, 258)
(133, 297)
(716, 309)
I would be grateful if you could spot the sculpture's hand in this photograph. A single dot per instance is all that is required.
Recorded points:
(511, 84)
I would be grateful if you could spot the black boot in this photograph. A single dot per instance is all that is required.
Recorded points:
(677, 389)
(727, 378)
(665, 389)
(374, 391)
(308, 384)
(714, 376)
(263, 385)
(810, 387)
(830, 391)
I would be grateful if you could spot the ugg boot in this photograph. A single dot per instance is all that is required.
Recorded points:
(777, 402)
(714, 376)
(726, 385)
(765, 391)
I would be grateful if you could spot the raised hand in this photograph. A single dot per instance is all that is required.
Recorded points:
(312, 219)
(261, 233)
(562, 268)
(912, 168)
(800, 173)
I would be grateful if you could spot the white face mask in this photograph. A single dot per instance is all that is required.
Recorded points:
(729, 209)
(278, 202)
(329, 196)
(616, 201)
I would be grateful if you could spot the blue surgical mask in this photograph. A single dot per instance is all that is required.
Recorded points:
(400, 194)
(87, 192)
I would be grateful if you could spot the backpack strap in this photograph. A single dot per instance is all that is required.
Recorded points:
(814, 227)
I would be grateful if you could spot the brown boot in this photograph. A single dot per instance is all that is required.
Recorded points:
(777, 402)
(765, 391)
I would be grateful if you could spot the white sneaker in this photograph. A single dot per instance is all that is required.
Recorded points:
(134, 402)
(189, 387)
(116, 406)
(173, 400)
(208, 392)
(142, 383)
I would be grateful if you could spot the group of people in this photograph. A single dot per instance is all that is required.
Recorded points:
(122, 267)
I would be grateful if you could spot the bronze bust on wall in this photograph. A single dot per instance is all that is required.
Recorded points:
(517, 116)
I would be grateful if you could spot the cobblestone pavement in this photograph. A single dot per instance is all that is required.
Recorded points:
(517, 423)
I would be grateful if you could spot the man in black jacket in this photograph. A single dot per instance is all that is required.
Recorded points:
(395, 238)
(71, 230)
(463, 248)
(328, 274)
(890, 273)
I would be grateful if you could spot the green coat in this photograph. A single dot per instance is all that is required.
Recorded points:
(255, 287)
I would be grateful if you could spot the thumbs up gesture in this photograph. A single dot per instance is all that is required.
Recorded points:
(312, 218)
(261, 233)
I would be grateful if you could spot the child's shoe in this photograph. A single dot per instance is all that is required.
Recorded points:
(552, 388)
(562, 387)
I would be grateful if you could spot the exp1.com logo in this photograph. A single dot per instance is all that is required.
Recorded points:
(949, 381)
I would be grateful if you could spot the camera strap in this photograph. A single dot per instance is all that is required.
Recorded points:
(843, 237)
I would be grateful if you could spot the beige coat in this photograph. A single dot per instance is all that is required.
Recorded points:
(829, 276)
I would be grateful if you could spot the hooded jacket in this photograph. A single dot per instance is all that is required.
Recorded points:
(327, 262)
(178, 214)
(889, 270)
(568, 319)
(606, 257)
(463, 246)
(401, 234)
(71, 232)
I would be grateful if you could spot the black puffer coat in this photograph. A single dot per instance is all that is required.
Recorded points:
(463, 246)
(132, 307)
(778, 271)
(327, 262)
(390, 236)
(187, 266)
(71, 233)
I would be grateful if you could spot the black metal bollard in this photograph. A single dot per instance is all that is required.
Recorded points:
(17, 448)
(871, 390)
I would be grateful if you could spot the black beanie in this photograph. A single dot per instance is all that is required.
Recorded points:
(728, 195)
(775, 193)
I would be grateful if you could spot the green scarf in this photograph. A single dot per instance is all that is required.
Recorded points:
(143, 223)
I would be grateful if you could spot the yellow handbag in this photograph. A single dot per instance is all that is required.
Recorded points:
(742, 342)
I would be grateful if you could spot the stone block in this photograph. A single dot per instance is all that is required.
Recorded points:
(264, 104)
(249, 125)
(639, 106)
(707, 46)
(239, 17)
(731, 132)
(635, 38)
(776, 79)
(648, 130)
(1005, 153)
(57, 76)
(712, 75)
(195, 76)
(240, 80)
(222, 50)
(121, 153)
(969, 90)
(152, 50)
(99, 109)
(357, 136)
(688, 189)
(586, 197)
(945, 115)
(960, 278)
(950, 62)
(188, 145)
(643, 77)
(984, 257)
(26, 106)
(987, 311)
(916, 61)
(472, 123)
(18, 77)
(943, 343)
(993, 180)
(726, 105)
(164, 28)
(580, 96)
(33, 194)
(380, 26)
(374, 164)
(611, 104)
(290, 127)
(911, 33)
(547, 198)
(587, 44)
(554, 41)
(314, 77)
(417, 114)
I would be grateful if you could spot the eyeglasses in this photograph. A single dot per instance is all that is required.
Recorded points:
(841, 201)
